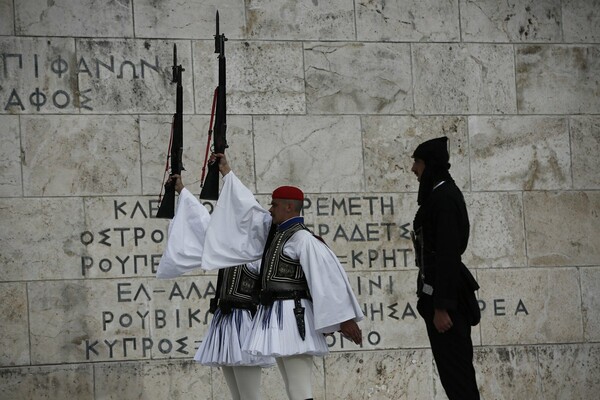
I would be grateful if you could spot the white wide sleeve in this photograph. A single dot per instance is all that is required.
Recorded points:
(238, 227)
(333, 299)
(186, 238)
(254, 266)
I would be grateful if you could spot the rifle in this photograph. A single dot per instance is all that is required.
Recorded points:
(210, 185)
(167, 205)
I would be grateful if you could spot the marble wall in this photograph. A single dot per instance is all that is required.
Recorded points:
(332, 96)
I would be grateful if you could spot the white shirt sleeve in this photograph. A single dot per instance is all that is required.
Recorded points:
(185, 241)
(238, 228)
(333, 299)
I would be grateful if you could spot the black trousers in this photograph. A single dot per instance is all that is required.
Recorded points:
(452, 352)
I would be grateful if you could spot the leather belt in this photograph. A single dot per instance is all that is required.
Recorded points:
(267, 298)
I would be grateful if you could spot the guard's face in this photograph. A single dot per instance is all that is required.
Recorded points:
(278, 211)
(418, 167)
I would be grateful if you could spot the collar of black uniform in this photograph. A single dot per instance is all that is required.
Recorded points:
(292, 221)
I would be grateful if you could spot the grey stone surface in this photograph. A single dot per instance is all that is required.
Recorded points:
(47, 382)
(526, 306)
(6, 18)
(14, 330)
(408, 21)
(581, 21)
(570, 371)
(188, 19)
(585, 147)
(511, 21)
(389, 142)
(11, 184)
(155, 132)
(508, 372)
(406, 374)
(300, 20)
(168, 379)
(590, 288)
(67, 145)
(74, 18)
(362, 78)
(519, 153)
(33, 251)
(562, 228)
(557, 79)
(262, 77)
(462, 78)
(497, 238)
(301, 149)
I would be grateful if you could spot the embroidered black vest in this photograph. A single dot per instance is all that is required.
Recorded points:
(282, 277)
(236, 288)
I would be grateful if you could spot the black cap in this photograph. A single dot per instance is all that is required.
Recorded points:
(434, 151)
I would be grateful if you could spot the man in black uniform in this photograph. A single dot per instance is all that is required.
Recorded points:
(445, 286)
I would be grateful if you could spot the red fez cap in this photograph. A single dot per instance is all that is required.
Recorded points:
(288, 193)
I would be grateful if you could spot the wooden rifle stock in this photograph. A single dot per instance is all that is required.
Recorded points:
(167, 204)
(210, 186)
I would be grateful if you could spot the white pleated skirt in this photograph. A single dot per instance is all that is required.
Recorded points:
(222, 344)
(275, 333)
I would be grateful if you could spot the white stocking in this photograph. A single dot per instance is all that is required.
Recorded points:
(296, 372)
(243, 382)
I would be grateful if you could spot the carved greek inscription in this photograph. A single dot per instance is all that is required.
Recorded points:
(173, 326)
(353, 205)
(134, 347)
(38, 99)
(24, 67)
(366, 232)
(499, 307)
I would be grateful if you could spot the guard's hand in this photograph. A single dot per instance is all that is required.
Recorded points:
(350, 330)
(178, 182)
(442, 320)
(223, 163)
